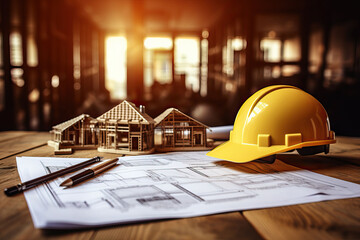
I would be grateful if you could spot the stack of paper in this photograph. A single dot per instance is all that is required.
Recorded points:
(172, 185)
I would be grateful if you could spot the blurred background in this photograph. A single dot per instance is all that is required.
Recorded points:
(61, 58)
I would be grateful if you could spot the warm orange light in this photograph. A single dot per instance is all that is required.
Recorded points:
(158, 43)
(238, 44)
(55, 81)
(205, 34)
(187, 49)
(187, 60)
(115, 70)
(16, 56)
(271, 49)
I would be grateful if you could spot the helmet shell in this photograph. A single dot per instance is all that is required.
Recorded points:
(276, 119)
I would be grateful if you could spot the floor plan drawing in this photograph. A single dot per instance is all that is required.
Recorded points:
(170, 185)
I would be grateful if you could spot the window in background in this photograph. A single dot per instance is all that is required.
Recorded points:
(341, 56)
(95, 61)
(17, 77)
(115, 66)
(32, 53)
(279, 49)
(271, 49)
(76, 60)
(292, 49)
(164, 43)
(238, 43)
(157, 61)
(239, 46)
(187, 60)
(316, 49)
(162, 66)
(204, 67)
(16, 59)
(16, 56)
(228, 58)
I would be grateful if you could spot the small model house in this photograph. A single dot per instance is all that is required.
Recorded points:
(179, 131)
(127, 129)
(77, 133)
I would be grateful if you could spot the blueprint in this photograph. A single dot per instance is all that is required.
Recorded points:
(170, 185)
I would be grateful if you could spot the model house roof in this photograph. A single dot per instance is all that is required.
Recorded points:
(126, 112)
(63, 126)
(168, 111)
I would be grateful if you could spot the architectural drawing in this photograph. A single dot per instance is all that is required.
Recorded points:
(173, 186)
(127, 129)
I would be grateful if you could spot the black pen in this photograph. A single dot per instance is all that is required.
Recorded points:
(34, 182)
(89, 173)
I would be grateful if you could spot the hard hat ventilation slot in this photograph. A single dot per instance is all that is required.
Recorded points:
(313, 150)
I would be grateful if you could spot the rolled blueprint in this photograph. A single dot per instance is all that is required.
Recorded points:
(219, 133)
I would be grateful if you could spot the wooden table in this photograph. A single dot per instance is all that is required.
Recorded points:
(338, 219)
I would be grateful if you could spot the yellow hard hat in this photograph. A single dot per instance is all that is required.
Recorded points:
(277, 119)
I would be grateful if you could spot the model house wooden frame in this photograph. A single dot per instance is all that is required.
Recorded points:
(127, 129)
(77, 133)
(179, 132)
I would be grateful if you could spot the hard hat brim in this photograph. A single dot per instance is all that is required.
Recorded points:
(241, 153)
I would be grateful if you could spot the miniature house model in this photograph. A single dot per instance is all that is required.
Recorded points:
(77, 133)
(179, 131)
(126, 129)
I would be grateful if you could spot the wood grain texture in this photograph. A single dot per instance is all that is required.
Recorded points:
(323, 220)
(7, 135)
(339, 219)
(346, 149)
(220, 226)
(15, 145)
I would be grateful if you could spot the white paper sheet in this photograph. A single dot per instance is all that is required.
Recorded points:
(171, 185)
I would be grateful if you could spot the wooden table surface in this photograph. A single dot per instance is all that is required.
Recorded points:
(337, 219)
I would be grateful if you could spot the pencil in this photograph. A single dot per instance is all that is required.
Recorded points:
(89, 173)
(34, 182)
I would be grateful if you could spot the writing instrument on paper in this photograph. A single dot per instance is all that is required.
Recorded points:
(34, 182)
(89, 173)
